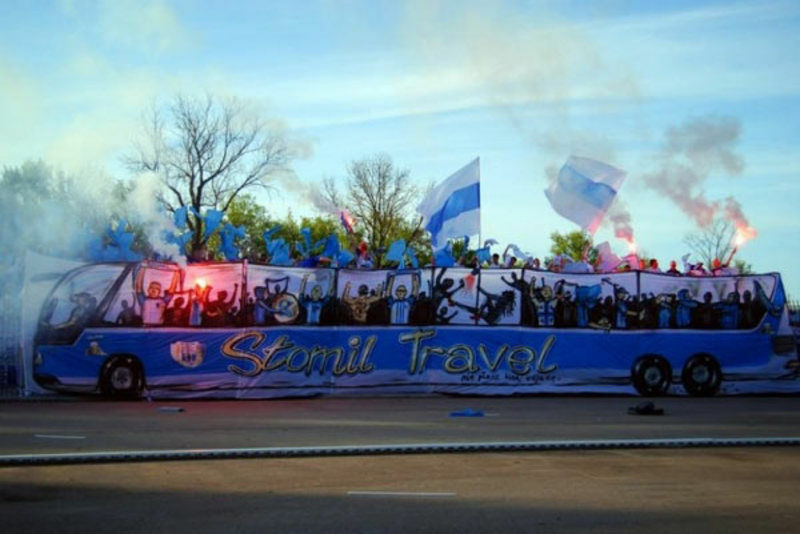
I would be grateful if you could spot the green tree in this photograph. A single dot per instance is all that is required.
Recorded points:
(246, 211)
(574, 244)
(743, 267)
(380, 196)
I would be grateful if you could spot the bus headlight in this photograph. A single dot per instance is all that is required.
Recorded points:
(38, 359)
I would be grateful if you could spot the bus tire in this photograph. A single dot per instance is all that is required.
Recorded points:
(122, 378)
(701, 376)
(651, 375)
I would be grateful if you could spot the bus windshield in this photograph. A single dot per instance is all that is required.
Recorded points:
(74, 302)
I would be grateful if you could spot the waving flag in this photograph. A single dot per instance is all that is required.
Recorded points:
(584, 190)
(453, 208)
(212, 220)
(347, 221)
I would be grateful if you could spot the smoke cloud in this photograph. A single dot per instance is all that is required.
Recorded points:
(620, 219)
(65, 215)
(692, 152)
(142, 207)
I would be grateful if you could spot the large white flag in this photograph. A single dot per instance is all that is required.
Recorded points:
(584, 190)
(453, 208)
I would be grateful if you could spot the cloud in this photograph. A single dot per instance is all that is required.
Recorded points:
(150, 26)
(146, 26)
(20, 107)
(691, 153)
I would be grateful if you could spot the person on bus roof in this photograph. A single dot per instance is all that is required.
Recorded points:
(673, 269)
(653, 267)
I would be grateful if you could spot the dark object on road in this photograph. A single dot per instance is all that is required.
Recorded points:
(170, 409)
(645, 408)
(467, 412)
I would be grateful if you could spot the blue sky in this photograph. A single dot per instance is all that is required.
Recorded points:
(434, 84)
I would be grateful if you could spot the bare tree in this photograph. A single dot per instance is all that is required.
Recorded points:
(379, 196)
(206, 151)
(713, 241)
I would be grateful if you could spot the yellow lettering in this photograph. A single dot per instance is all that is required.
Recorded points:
(548, 344)
(521, 365)
(230, 350)
(415, 338)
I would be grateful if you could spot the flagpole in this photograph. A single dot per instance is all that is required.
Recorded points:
(480, 239)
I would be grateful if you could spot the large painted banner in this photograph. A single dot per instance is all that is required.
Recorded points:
(277, 361)
(239, 330)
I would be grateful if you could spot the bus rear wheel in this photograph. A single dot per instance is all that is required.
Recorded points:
(651, 375)
(122, 378)
(701, 375)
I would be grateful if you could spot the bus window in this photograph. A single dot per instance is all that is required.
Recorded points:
(287, 295)
(500, 297)
(562, 300)
(74, 303)
(212, 297)
(453, 296)
(361, 294)
(123, 310)
(402, 295)
(155, 285)
(722, 302)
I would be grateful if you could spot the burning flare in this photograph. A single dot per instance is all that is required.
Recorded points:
(743, 234)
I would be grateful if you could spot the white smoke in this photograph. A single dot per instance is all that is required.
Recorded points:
(144, 208)
(692, 152)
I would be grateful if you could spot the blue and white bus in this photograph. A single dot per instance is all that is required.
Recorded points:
(242, 330)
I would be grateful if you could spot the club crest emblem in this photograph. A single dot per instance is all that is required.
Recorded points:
(188, 353)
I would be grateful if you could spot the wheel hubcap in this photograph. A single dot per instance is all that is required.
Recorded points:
(122, 378)
(701, 374)
(653, 376)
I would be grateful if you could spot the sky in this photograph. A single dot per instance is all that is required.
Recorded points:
(695, 100)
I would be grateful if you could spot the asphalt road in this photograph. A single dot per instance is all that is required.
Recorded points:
(30, 427)
(707, 490)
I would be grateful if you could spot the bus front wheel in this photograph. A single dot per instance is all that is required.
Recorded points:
(651, 375)
(701, 375)
(122, 378)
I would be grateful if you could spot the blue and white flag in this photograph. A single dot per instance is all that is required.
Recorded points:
(584, 190)
(453, 208)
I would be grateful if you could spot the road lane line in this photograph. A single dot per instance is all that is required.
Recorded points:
(403, 493)
(57, 436)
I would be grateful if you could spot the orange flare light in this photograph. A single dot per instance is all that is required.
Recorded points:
(743, 235)
(201, 283)
(632, 247)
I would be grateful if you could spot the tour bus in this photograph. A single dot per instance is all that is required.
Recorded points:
(243, 330)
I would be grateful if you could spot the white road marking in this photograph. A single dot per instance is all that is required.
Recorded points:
(404, 493)
(57, 436)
